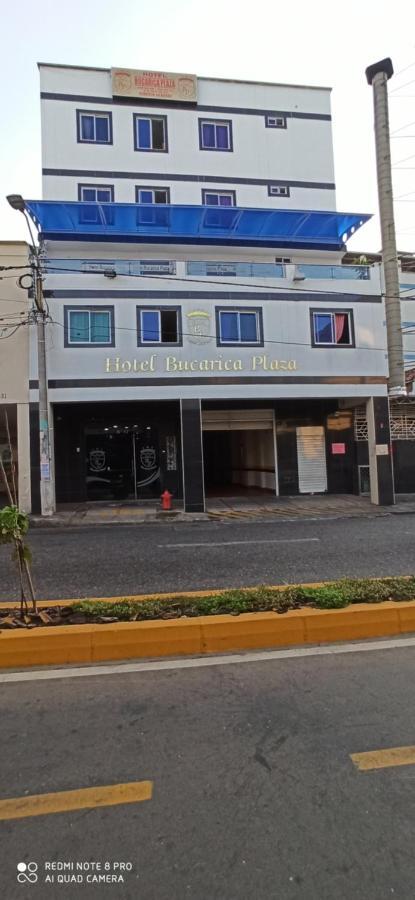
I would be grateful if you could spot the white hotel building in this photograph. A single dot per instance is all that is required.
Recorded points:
(204, 335)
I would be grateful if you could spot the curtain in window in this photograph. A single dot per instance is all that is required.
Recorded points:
(143, 134)
(150, 326)
(102, 128)
(222, 137)
(87, 128)
(339, 326)
(208, 135)
(100, 328)
(248, 327)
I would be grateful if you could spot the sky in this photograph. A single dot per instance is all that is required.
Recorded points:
(312, 42)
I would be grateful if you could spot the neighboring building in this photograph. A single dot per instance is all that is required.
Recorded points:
(206, 336)
(14, 369)
(402, 410)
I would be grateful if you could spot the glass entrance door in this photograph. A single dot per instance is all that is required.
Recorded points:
(146, 463)
(122, 462)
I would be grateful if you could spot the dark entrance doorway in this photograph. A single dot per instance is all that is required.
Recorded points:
(117, 451)
(122, 463)
(239, 462)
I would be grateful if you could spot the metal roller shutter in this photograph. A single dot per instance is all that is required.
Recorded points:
(311, 455)
(237, 419)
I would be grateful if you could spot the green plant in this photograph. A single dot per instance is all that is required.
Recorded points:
(14, 525)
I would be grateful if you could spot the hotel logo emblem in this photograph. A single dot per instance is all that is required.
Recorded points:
(198, 326)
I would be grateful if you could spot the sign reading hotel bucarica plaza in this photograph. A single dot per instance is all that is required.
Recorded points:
(263, 363)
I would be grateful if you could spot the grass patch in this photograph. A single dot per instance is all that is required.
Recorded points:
(335, 595)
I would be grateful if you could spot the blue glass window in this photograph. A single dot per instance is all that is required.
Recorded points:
(89, 326)
(215, 134)
(218, 198)
(150, 326)
(96, 194)
(152, 195)
(100, 194)
(239, 327)
(332, 328)
(94, 128)
(323, 328)
(150, 133)
(158, 326)
(229, 326)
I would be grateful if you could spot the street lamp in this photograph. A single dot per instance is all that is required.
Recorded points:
(47, 499)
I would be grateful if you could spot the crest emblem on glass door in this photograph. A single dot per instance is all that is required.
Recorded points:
(96, 460)
(147, 458)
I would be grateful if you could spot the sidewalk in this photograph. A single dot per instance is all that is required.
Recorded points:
(229, 508)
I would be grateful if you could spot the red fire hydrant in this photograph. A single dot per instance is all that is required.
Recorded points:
(166, 499)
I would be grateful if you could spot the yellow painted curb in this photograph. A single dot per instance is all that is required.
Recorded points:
(205, 634)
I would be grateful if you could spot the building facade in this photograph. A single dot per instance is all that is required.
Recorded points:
(204, 335)
(14, 370)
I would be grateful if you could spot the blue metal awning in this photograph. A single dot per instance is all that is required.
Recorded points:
(178, 224)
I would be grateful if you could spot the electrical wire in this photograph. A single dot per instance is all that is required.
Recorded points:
(402, 86)
(213, 337)
(211, 282)
(402, 127)
(401, 71)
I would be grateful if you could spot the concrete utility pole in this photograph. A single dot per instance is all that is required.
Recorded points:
(47, 492)
(47, 500)
(378, 75)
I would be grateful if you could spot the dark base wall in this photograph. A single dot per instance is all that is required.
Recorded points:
(71, 422)
(403, 455)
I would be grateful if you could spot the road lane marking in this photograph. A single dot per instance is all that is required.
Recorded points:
(384, 759)
(201, 662)
(234, 543)
(67, 801)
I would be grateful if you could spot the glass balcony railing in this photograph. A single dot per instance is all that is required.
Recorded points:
(209, 269)
(235, 269)
(273, 270)
(338, 273)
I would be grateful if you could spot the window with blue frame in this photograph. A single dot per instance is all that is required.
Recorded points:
(218, 198)
(88, 326)
(94, 127)
(332, 329)
(150, 133)
(239, 326)
(152, 195)
(215, 134)
(90, 193)
(148, 198)
(158, 325)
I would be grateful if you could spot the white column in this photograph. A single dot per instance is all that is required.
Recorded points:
(23, 457)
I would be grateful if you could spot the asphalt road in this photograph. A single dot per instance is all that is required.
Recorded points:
(113, 560)
(254, 791)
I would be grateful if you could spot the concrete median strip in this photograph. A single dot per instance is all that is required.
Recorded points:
(195, 636)
(67, 801)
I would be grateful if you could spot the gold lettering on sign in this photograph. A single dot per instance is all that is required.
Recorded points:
(260, 363)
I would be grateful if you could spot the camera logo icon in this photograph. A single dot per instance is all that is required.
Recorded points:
(27, 872)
